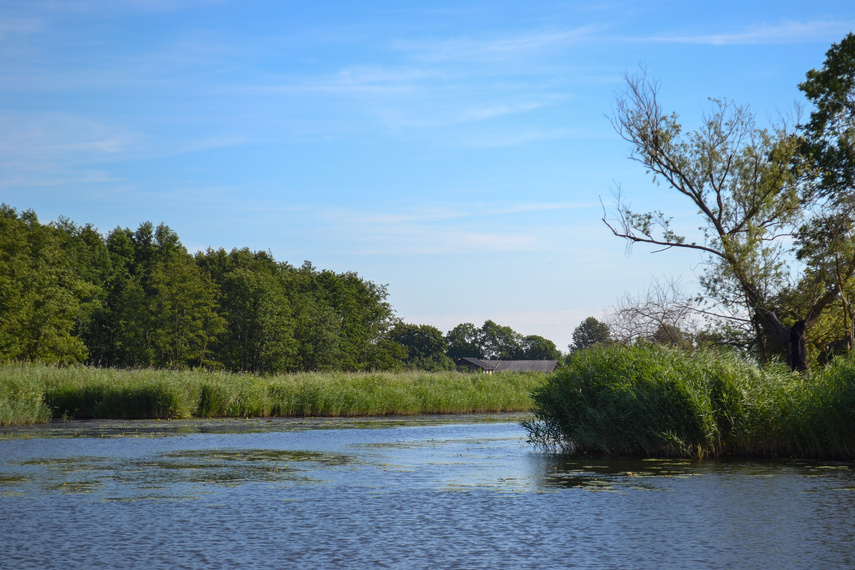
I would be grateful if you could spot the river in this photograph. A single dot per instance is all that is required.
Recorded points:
(461, 492)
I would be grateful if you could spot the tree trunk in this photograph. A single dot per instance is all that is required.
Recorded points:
(797, 347)
(790, 340)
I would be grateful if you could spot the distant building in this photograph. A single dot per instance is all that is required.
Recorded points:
(490, 366)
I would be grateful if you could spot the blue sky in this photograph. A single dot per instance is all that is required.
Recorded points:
(456, 151)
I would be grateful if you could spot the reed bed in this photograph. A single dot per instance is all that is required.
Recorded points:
(32, 393)
(653, 401)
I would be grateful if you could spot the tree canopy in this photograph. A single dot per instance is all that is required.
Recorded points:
(588, 333)
(425, 346)
(137, 298)
(497, 342)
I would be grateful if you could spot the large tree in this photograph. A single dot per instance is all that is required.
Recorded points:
(42, 296)
(425, 346)
(827, 242)
(464, 341)
(536, 347)
(341, 321)
(588, 333)
(742, 182)
(160, 307)
(259, 334)
(500, 342)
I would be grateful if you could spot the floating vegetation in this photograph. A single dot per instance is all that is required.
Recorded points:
(221, 467)
(614, 474)
(13, 479)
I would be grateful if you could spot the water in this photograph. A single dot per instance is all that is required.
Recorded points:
(425, 493)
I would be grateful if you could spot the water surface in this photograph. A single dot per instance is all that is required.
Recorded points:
(401, 493)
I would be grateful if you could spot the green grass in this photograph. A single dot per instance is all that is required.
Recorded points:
(33, 393)
(655, 401)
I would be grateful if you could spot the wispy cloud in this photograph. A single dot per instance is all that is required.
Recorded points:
(101, 6)
(52, 149)
(417, 240)
(441, 213)
(511, 137)
(35, 137)
(496, 48)
(357, 79)
(205, 143)
(540, 207)
(445, 228)
(435, 109)
(785, 32)
(13, 26)
(493, 111)
(386, 219)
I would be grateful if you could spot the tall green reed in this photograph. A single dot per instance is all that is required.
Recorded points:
(21, 397)
(81, 392)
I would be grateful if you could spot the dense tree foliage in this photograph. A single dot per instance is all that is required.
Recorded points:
(826, 243)
(757, 192)
(535, 347)
(259, 332)
(43, 298)
(160, 309)
(464, 341)
(137, 298)
(588, 333)
(496, 342)
(425, 346)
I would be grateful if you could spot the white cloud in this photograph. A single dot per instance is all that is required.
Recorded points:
(540, 207)
(451, 228)
(491, 112)
(422, 215)
(357, 79)
(15, 26)
(513, 136)
(496, 49)
(785, 32)
(51, 138)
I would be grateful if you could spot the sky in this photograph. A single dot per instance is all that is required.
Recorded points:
(459, 152)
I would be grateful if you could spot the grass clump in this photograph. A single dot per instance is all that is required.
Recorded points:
(35, 393)
(650, 400)
(22, 399)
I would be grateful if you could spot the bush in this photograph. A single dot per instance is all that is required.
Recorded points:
(648, 400)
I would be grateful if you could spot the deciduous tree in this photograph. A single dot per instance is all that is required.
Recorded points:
(425, 346)
(42, 297)
(588, 333)
(745, 183)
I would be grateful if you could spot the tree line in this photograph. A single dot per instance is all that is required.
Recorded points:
(138, 298)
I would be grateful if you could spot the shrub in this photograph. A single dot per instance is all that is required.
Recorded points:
(648, 400)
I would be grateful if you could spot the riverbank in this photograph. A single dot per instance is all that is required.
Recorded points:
(35, 393)
(134, 429)
(653, 401)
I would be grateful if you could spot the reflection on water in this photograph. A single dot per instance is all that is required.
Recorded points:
(426, 492)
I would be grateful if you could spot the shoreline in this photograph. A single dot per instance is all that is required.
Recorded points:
(147, 428)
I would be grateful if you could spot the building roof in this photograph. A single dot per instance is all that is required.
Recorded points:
(509, 365)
